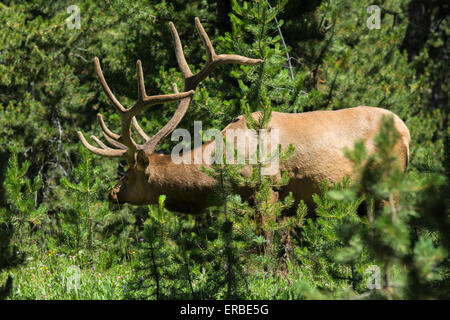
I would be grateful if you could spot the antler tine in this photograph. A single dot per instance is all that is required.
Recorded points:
(158, 99)
(175, 87)
(101, 152)
(190, 80)
(212, 62)
(115, 143)
(124, 141)
(184, 67)
(143, 102)
(151, 144)
(110, 136)
(100, 143)
(105, 128)
(106, 88)
(210, 52)
(236, 59)
(141, 86)
(139, 130)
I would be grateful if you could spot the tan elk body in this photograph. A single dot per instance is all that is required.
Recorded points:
(318, 137)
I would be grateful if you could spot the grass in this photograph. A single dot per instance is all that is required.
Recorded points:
(49, 278)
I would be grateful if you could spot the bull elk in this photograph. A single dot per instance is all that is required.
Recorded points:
(318, 137)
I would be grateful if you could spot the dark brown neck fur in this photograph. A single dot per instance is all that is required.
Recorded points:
(186, 186)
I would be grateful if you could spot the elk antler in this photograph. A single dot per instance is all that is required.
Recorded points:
(212, 59)
(125, 144)
(192, 80)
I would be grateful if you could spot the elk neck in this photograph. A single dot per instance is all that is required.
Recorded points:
(186, 186)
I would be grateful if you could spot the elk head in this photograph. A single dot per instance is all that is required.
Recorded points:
(134, 185)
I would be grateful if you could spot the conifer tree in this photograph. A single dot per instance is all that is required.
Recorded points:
(85, 187)
(385, 231)
(9, 256)
(22, 212)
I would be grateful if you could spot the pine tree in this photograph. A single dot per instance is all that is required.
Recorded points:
(85, 187)
(387, 231)
(9, 257)
(22, 212)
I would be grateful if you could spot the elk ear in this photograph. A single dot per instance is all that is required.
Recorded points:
(141, 160)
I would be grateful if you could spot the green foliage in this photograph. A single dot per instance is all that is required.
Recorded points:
(9, 257)
(255, 32)
(22, 212)
(46, 278)
(158, 271)
(88, 223)
(52, 192)
(86, 186)
(388, 235)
